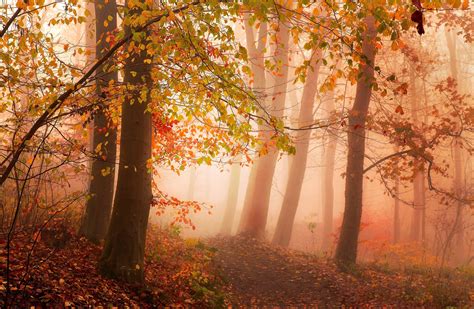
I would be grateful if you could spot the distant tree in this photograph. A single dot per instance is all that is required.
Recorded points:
(327, 183)
(297, 170)
(418, 167)
(232, 197)
(255, 212)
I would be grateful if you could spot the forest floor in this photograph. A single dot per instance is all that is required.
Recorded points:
(216, 273)
(260, 275)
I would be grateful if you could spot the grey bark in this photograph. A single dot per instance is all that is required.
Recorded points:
(101, 188)
(124, 249)
(346, 250)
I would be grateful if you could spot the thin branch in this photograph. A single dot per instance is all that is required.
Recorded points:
(10, 22)
(396, 154)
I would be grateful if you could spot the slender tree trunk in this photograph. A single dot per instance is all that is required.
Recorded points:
(232, 197)
(457, 155)
(254, 220)
(257, 57)
(294, 184)
(418, 174)
(396, 208)
(396, 214)
(418, 203)
(124, 249)
(346, 251)
(327, 185)
(101, 188)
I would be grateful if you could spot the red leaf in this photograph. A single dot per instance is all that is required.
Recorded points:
(399, 110)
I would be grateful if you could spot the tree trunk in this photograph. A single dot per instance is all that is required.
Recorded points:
(291, 198)
(124, 249)
(346, 251)
(101, 188)
(396, 209)
(257, 57)
(418, 174)
(457, 155)
(254, 216)
(328, 179)
(232, 197)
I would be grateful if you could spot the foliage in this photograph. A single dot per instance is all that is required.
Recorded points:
(178, 274)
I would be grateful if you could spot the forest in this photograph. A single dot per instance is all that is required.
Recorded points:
(237, 153)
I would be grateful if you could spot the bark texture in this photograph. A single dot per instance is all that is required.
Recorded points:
(346, 251)
(101, 188)
(294, 184)
(124, 249)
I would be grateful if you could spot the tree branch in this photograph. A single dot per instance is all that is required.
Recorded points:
(53, 107)
(10, 22)
(396, 154)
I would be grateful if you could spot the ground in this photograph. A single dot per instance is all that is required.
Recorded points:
(219, 272)
(262, 275)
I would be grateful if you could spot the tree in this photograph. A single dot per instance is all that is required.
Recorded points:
(232, 197)
(328, 177)
(254, 216)
(418, 170)
(124, 249)
(294, 184)
(256, 51)
(457, 227)
(346, 251)
(396, 206)
(101, 189)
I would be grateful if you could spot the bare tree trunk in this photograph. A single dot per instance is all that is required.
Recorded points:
(328, 179)
(294, 184)
(124, 249)
(346, 251)
(458, 225)
(396, 208)
(254, 216)
(257, 57)
(101, 189)
(232, 197)
(418, 174)
(396, 213)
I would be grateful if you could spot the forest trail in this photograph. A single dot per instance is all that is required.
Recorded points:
(261, 275)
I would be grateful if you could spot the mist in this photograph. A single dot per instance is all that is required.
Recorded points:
(221, 154)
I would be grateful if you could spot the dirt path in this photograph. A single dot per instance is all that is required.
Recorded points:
(264, 276)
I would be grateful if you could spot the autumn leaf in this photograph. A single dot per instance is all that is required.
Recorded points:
(399, 110)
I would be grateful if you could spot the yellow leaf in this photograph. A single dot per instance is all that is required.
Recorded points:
(105, 171)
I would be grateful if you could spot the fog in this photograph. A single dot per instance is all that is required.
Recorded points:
(220, 154)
